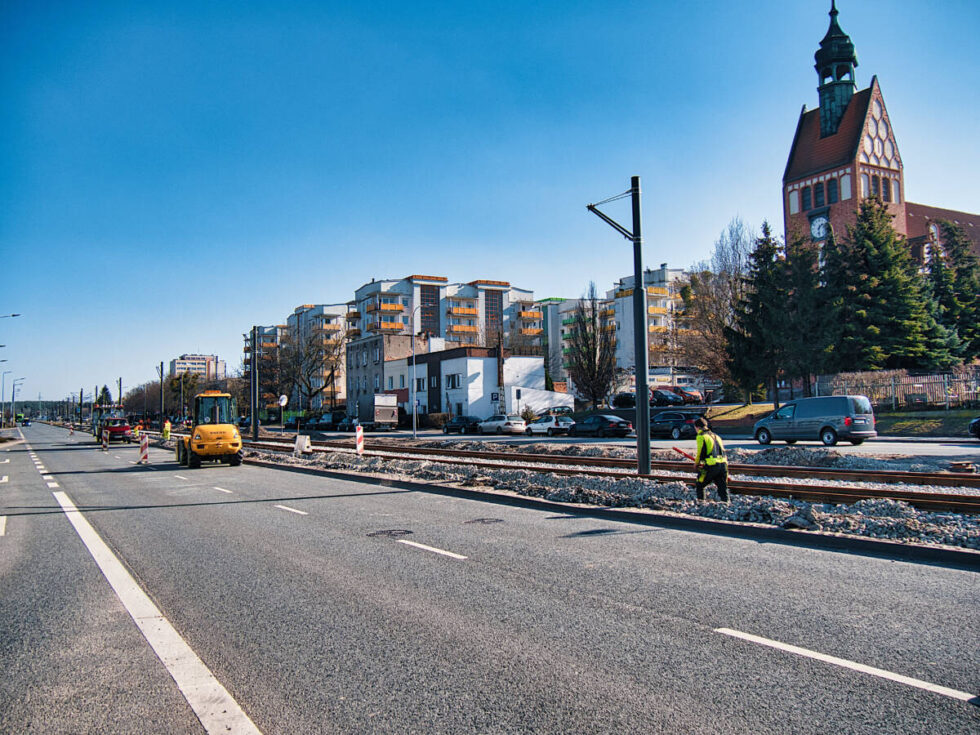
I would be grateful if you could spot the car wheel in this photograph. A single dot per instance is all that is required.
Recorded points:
(763, 436)
(445, 429)
(857, 442)
(529, 432)
(236, 459)
(572, 432)
(499, 430)
(193, 459)
(551, 432)
(601, 434)
(675, 433)
(828, 437)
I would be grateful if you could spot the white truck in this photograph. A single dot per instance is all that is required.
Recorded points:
(379, 414)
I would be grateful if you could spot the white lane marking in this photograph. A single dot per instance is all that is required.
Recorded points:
(180, 477)
(47, 477)
(433, 549)
(3, 479)
(3, 525)
(53, 484)
(222, 489)
(292, 510)
(42, 470)
(117, 456)
(918, 683)
(5, 461)
(214, 706)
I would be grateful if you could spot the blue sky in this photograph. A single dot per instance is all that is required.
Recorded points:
(174, 173)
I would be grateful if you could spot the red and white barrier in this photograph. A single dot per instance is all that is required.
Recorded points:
(144, 448)
(105, 441)
(359, 439)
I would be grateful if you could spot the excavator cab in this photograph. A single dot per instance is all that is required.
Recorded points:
(214, 435)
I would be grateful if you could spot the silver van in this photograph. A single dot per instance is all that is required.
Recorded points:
(827, 418)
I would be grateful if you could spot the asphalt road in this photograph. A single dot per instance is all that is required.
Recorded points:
(304, 602)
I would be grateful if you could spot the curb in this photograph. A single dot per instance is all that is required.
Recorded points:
(916, 553)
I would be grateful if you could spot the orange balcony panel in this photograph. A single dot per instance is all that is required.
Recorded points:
(462, 311)
(353, 315)
(382, 326)
(352, 333)
(532, 331)
(529, 314)
(657, 328)
(656, 310)
(605, 313)
(657, 291)
(462, 329)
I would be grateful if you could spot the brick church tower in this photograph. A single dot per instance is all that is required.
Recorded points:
(843, 151)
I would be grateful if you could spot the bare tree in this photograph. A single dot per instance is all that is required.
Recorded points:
(592, 357)
(312, 364)
(711, 301)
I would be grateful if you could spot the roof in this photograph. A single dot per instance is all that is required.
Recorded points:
(812, 154)
(418, 277)
(918, 217)
(503, 284)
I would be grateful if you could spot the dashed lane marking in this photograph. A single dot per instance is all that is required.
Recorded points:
(180, 477)
(3, 479)
(433, 549)
(47, 477)
(222, 490)
(3, 525)
(53, 484)
(214, 706)
(853, 665)
(293, 510)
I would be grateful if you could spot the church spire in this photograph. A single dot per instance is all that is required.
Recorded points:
(836, 60)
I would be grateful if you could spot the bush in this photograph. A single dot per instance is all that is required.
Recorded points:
(528, 414)
(438, 420)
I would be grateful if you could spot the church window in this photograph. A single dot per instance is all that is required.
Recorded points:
(831, 191)
(806, 198)
(845, 187)
(818, 200)
(864, 186)
(794, 202)
(886, 189)
(897, 191)
(875, 186)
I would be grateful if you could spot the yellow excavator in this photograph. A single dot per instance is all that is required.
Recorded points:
(214, 436)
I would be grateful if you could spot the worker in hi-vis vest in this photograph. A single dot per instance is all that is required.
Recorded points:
(710, 462)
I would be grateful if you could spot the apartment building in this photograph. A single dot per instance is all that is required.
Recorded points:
(208, 367)
(480, 313)
(368, 357)
(664, 320)
(268, 343)
(321, 330)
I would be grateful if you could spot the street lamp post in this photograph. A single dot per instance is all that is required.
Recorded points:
(3, 393)
(13, 399)
(414, 407)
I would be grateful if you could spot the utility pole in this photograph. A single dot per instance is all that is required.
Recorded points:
(254, 385)
(161, 396)
(640, 336)
(119, 395)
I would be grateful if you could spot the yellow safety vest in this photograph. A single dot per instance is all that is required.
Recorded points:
(714, 450)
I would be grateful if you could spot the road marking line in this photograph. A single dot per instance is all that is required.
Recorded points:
(53, 484)
(6, 460)
(180, 477)
(3, 525)
(47, 477)
(291, 510)
(918, 683)
(3, 479)
(431, 548)
(214, 706)
(42, 470)
(222, 489)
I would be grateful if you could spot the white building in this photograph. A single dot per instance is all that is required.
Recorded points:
(327, 325)
(208, 367)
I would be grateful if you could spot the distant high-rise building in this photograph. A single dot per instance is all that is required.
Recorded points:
(208, 367)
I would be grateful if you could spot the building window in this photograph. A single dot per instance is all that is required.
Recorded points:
(832, 191)
(875, 186)
(377, 383)
(433, 381)
(454, 381)
(377, 353)
(807, 203)
(865, 185)
(794, 202)
(818, 200)
(897, 191)
(391, 382)
(886, 189)
(419, 385)
(401, 381)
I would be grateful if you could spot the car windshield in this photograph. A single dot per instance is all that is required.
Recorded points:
(514, 417)
(116, 422)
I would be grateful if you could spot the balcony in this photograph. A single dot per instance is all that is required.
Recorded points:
(326, 328)
(532, 331)
(353, 333)
(462, 311)
(386, 327)
(529, 315)
(609, 328)
(606, 313)
(353, 316)
(386, 307)
(657, 291)
(656, 329)
(462, 329)
(566, 322)
(656, 310)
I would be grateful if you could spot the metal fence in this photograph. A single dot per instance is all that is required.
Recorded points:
(896, 390)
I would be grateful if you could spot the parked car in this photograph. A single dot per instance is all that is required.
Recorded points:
(827, 418)
(244, 422)
(558, 411)
(624, 400)
(689, 395)
(346, 424)
(661, 397)
(501, 424)
(550, 425)
(290, 424)
(975, 427)
(675, 424)
(461, 425)
(601, 425)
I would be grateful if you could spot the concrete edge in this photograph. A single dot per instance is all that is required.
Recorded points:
(916, 553)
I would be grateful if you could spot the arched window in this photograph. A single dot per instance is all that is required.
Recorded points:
(864, 186)
(832, 191)
(897, 191)
(807, 202)
(818, 200)
(875, 186)
(886, 189)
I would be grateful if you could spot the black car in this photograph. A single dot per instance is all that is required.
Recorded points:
(665, 398)
(975, 427)
(675, 424)
(345, 424)
(290, 424)
(600, 425)
(462, 424)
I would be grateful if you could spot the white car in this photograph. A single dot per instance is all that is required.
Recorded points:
(550, 425)
(500, 424)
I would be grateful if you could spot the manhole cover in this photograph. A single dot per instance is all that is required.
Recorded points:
(390, 533)
(485, 520)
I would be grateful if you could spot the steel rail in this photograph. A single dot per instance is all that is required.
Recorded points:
(946, 502)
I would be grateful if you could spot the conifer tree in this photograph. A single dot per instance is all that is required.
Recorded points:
(756, 349)
(805, 332)
(955, 280)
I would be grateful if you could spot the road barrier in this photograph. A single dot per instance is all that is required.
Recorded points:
(144, 448)
(359, 439)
